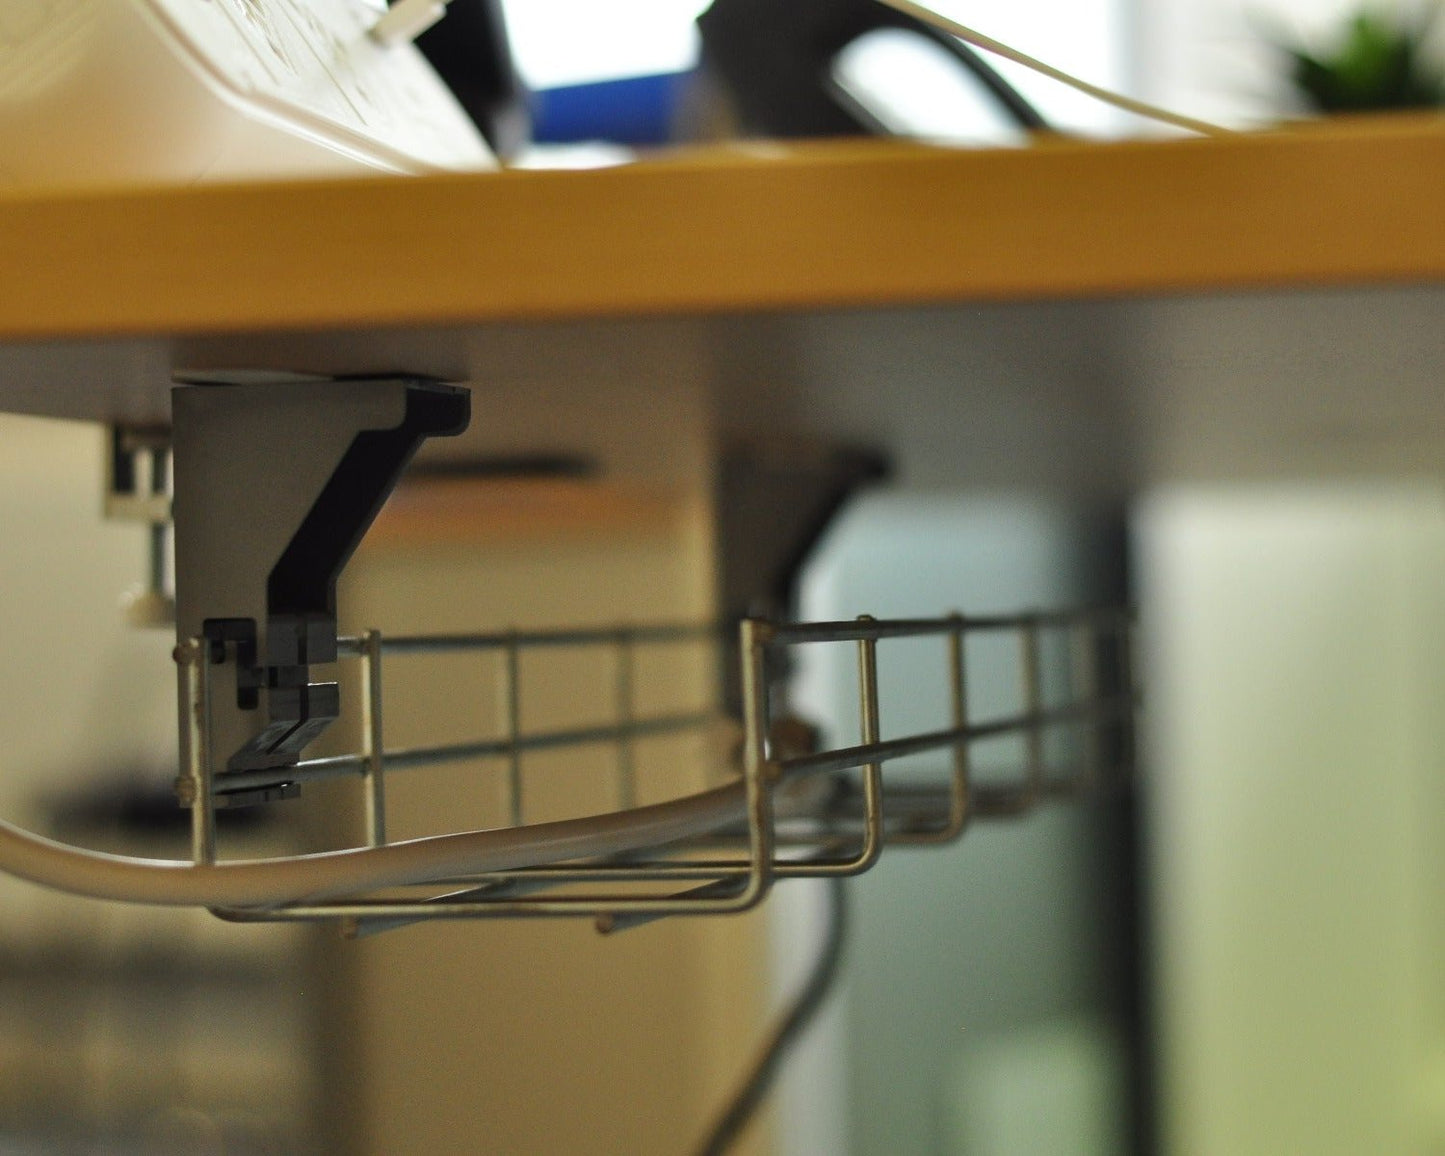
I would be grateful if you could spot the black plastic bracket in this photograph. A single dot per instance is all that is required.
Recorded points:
(275, 485)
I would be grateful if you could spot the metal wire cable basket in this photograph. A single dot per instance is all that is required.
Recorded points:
(786, 807)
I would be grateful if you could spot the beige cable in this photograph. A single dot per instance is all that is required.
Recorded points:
(998, 48)
(333, 874)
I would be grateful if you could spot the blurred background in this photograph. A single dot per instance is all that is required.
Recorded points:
(1236, 958)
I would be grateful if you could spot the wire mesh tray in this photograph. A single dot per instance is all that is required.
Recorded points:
(785, 808)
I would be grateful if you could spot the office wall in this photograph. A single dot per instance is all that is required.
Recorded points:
(1294, 678)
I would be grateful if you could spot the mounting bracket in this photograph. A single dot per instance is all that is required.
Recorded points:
(275, 484)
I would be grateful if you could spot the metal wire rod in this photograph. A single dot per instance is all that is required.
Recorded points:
(854, 630)
(845, 758)
(612, 921)
(548, 740)
(531, 639)
(329, 768)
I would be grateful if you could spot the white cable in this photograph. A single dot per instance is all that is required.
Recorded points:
(998, 48)
(332, 874)
(405, 20)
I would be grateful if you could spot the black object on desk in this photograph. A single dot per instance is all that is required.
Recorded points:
(775, 58)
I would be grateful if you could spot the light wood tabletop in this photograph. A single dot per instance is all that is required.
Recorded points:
(859, 223)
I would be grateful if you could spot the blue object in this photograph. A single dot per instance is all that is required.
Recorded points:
(637, 110)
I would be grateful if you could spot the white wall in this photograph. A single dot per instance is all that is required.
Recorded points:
(83, 693)
(1294, 681)
(1212, 58)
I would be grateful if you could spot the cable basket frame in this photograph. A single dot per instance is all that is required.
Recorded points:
(785, 813)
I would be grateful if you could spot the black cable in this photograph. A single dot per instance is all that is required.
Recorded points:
(789, 1030)
(775, 59)
(1008, 97)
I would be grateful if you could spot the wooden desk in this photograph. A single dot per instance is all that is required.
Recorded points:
(1066, 314)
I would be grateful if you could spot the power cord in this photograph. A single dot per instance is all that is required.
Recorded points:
(998, 48)
(332, 874)
(788, 1031)
(405, 20)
